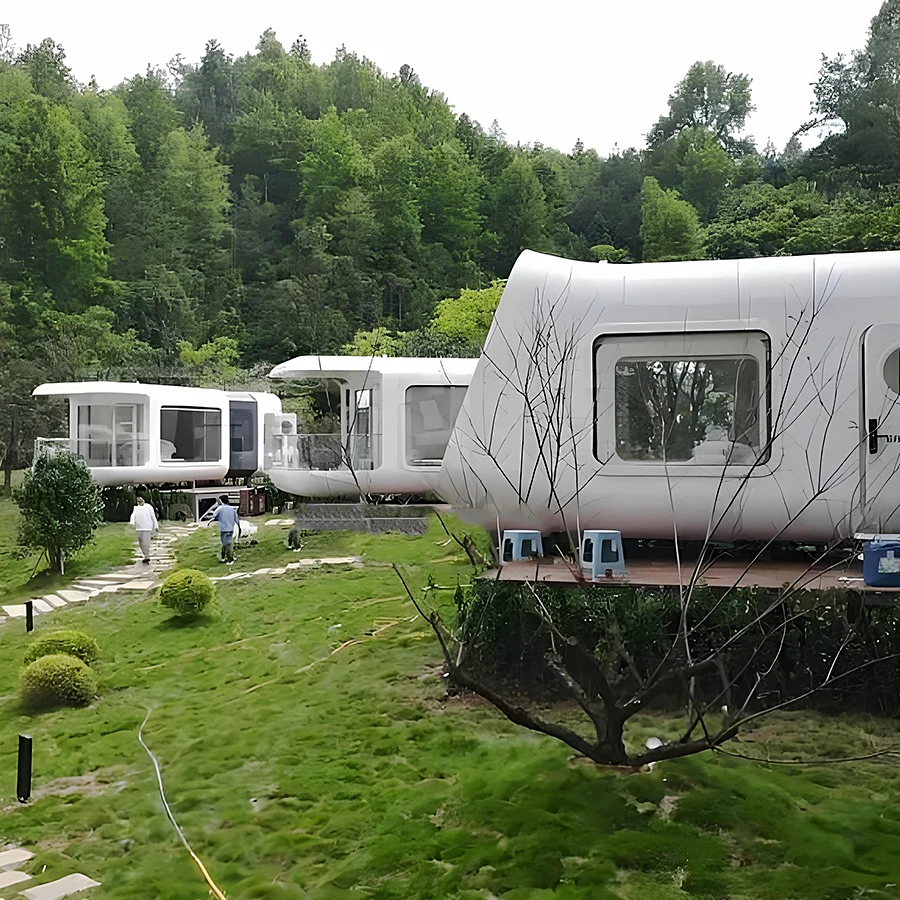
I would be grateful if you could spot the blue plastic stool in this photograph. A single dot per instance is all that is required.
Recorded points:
(602, 554)
(520, 545)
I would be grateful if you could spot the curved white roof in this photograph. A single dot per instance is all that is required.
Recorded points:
(165, 393)
(338, 366)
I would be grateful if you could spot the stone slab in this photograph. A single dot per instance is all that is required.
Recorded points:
(110, 589)
(278, 571)
(53, 600)
(8, 879)
(41, 605)
(73, 596)
(261, 572)
(93, 582)
(16, 611)
(139, 584)
(14, 857)
(338, 560)
(62, 887)
(111, 577)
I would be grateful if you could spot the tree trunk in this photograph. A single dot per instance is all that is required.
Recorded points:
(8, 458)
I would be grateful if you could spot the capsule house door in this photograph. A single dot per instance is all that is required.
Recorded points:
(880, 428)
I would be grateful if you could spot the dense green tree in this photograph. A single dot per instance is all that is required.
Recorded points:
(696, 164)
(197, 199)
(708, 97)
(670, 228)
(51, 201)
(46, 66)
(153, 114)
(518, 214)
(468, 317)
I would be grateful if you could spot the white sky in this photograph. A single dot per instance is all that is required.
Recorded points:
(598, 70)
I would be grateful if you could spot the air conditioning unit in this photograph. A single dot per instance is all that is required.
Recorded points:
(280, 423)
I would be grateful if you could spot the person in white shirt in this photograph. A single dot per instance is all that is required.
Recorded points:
(144, 520)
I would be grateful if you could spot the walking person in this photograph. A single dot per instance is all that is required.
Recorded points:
(227, 517)
(143, 518)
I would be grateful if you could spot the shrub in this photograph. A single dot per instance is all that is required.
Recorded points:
(58, 679)
(187, 592)
(61, 507)
(68, 641)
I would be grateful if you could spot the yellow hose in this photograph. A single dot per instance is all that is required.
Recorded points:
(212, 885)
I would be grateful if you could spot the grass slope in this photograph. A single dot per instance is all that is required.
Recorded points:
(300, 772)
(111, 547)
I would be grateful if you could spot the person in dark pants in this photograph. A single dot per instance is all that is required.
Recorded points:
(227, 517)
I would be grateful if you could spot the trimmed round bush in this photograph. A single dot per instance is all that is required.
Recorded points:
(68, 641)
(187, 592)
(57, 680)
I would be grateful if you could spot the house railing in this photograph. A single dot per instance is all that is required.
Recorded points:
(325, 452)
(102, 453)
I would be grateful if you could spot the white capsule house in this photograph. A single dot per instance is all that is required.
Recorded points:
(395, 418)
(161, 434)
(749, 399)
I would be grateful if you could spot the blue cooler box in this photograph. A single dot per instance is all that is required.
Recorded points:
(881, 563)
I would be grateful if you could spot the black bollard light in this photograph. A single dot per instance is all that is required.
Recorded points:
(23, 781)
(29, 615)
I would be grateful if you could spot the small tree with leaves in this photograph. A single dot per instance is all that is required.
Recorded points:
(61, 508)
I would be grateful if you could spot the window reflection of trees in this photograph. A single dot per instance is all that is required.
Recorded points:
(665, 408)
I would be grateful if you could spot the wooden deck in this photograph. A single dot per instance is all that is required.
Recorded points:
(663, 572)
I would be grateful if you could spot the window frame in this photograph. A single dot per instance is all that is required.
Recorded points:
(618, 465)
(220, 459)
(415, 466)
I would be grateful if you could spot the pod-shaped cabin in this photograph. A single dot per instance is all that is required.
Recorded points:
(753, 399)
(394, 419)
(161, 434)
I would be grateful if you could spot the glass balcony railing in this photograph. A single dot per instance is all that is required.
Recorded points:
(97, 453)
(324, 452)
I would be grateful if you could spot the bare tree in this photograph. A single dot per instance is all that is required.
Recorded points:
(727, 658)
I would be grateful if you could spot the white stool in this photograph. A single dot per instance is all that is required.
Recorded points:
(602, 554)
(521, 545)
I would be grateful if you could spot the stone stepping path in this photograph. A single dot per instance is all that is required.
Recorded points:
(143, 578)
(62, 887)
(9, 859)
(8, 879)
(52, 890)
(293, 566)
(137, 577)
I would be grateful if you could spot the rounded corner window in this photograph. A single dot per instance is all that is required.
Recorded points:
(891, 370)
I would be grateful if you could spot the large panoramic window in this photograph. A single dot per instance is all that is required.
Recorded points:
(95, 434)
(431, 412)
(190, 435)
(699, 399)
(111, 435)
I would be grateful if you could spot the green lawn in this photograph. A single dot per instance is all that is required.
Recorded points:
(112, 546)
(300, 772)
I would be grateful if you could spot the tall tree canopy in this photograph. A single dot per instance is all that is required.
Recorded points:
(245, 209)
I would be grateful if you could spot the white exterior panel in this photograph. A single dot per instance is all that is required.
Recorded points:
(539, 440)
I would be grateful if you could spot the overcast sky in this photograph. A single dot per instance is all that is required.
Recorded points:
(555, 72)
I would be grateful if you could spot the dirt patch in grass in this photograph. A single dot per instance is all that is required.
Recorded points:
(94, 784)
(113, 779)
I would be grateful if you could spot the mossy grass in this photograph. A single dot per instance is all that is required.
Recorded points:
(300, 772)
